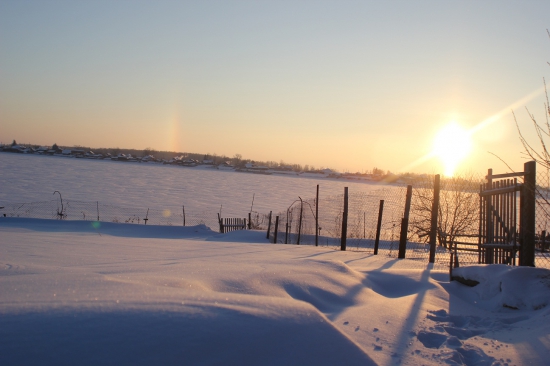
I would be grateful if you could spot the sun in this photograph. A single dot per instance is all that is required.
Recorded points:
(451, 145)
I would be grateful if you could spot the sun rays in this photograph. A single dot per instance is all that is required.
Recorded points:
(453, 143)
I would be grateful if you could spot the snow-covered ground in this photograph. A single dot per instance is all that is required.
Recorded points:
(31, 178)
(75, 292)
(81, 292)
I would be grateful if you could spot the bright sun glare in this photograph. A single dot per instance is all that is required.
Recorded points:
(451, 145)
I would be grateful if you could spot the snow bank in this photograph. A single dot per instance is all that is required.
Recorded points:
(524, 288)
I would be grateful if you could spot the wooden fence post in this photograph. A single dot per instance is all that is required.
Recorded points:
(220, 222)
(435, 211)
(527, 253)
(286, 231)
(183, 215)
(276, 229)
(344, 221)
(489, 236)
(300, 221)
(249, 220)
(317, 217)
(269, 225)
(378, 227)
(405, 225)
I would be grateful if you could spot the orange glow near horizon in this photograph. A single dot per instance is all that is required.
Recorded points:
(174, 131)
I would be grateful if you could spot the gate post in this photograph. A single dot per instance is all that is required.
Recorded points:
(527, 253)
(435, 211)
(405, 225)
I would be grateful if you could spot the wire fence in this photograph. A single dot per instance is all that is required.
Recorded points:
(458, 219)
(458, 230)
(97, 211)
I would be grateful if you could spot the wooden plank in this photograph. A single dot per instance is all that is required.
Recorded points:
(499, 246)
(505, 175)
(497, 191)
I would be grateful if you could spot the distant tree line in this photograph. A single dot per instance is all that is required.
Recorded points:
(239, 162)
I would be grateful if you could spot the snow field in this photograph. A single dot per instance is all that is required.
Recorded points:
(127, 294)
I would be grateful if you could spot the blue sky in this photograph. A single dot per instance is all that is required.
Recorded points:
(345, 84)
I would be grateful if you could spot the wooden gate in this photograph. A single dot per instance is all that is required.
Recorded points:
(507, 222)
(228, 224)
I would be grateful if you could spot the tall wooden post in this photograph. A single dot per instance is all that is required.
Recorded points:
(300, 221)
(276, 229)
(221, 223)
(317, 217)
(405, 225)
(489, 220)
(527, 253)
(378, 226)
(344, 221)
(249, 220)
(269, 225)
(435, 212)
(286, 231)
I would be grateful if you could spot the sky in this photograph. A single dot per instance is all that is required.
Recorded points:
(349, 85)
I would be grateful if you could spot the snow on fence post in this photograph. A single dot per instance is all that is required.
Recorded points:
(276, 229)
(344, 221)
(378, 227)
(435, 210)
(405, 225)
(269, 224)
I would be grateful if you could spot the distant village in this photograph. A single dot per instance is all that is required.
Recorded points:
(191, 160)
